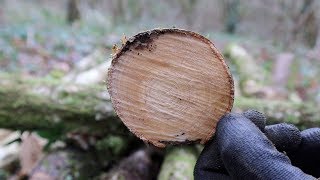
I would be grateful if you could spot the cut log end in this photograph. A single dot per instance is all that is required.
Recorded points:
(170, 86)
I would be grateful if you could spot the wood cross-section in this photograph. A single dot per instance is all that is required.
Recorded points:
(170, 86)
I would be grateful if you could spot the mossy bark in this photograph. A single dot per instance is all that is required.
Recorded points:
(303, 115)
(32, 104)
(179, 163)
(250, 74)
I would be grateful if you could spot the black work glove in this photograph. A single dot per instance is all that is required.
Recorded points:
(244, 148)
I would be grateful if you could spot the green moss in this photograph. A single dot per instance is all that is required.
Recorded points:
(114, 144)
(299, 114)
(3, 174)
(179, 163)
(23, 108)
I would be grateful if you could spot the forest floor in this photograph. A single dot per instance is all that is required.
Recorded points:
(37, 43)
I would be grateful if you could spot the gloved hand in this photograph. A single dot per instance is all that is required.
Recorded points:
(244, 148)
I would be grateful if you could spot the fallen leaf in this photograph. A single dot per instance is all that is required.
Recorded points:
(30, 153)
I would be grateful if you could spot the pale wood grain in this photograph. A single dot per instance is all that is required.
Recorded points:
(170, 86)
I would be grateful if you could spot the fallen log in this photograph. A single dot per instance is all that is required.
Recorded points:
(250, 74)
(179, 163)
(33, 104)
(252, 79)
(303, 115)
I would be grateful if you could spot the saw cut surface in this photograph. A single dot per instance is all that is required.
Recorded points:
(170, 86)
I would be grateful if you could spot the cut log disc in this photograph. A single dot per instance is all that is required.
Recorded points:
(170, 86)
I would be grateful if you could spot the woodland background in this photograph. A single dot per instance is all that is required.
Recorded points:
(55, 113)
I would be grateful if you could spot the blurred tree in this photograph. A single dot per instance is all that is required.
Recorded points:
(73, 12)
(306, 23)
(303, 22)
(125, 11)
(117, 11)
(93, 3)
(187, 7)
(135, 8)
(281, 72)
(231, 15)
(1, 12)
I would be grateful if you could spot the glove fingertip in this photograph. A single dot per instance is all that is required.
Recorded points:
(285, 137)
(311, 136)
(209, 162)
(256, 117)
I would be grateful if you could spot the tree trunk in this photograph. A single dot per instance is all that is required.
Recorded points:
(281, 73)
(306, 24)
(231, 13)
(73, 12)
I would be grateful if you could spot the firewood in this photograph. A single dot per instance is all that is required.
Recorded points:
(170, 86)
